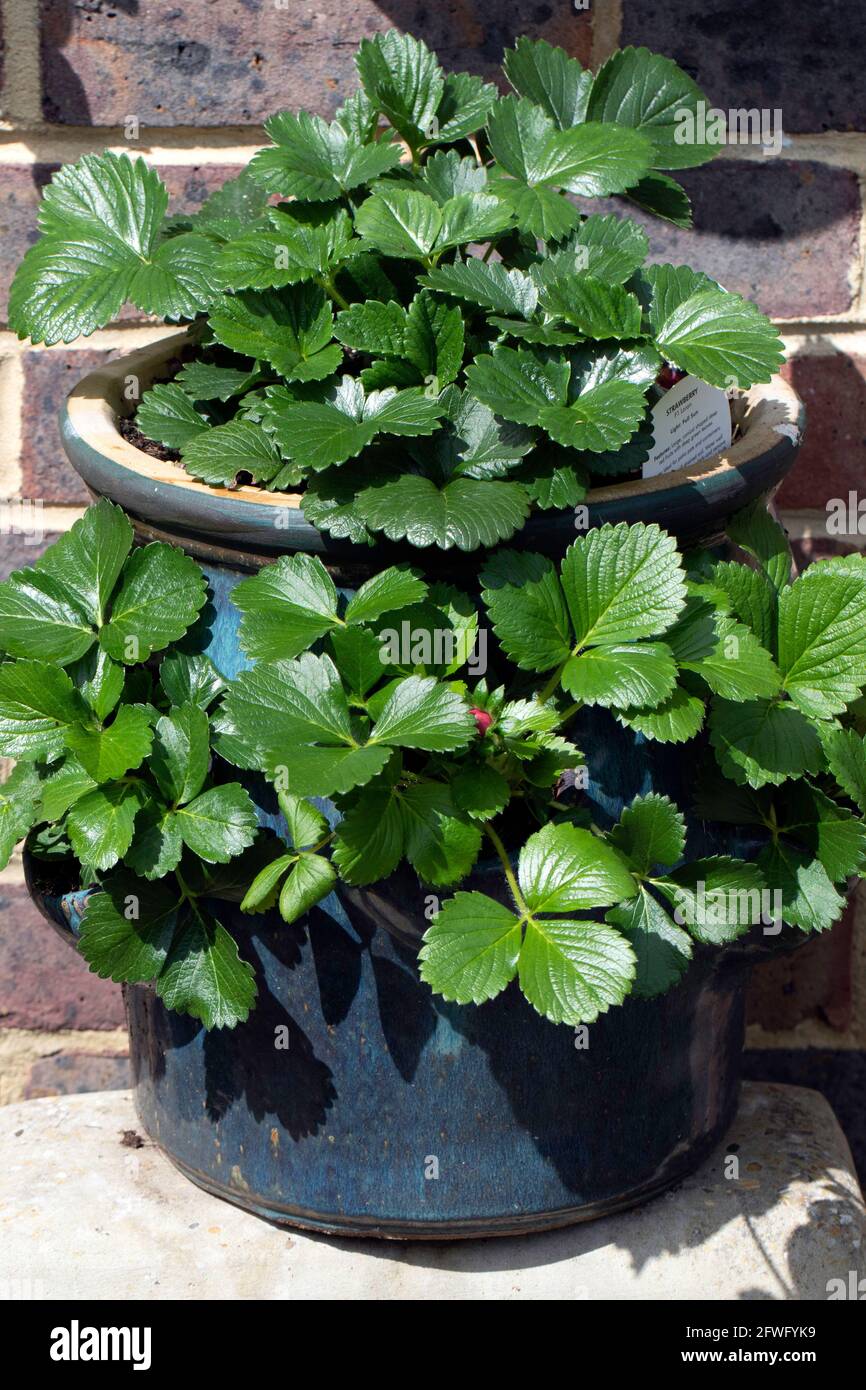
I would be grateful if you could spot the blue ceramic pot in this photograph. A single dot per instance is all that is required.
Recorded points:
(354, 1100)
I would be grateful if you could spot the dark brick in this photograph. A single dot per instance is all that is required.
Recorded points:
(833, 388)
(45, 985)
(806, 59)
(783, 233)
(813, 981)
(48, 378)
(227, 62)
(70, 1073)
(21, 188)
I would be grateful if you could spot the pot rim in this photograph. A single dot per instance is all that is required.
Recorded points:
(162, 493)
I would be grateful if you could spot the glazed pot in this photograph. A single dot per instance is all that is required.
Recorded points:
(354, 1100)
(693, 503)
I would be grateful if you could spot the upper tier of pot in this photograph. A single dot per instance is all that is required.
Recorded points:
(248, 522)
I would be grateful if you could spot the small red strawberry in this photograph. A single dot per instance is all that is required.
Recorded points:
(483, 720)
(669, 376)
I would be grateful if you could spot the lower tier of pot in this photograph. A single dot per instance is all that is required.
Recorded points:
(355, 1102)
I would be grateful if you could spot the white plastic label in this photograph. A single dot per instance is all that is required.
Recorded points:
(690, 422)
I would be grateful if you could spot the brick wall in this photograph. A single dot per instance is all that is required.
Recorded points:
(199, 76)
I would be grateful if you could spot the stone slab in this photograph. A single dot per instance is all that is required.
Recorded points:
(89, 1210)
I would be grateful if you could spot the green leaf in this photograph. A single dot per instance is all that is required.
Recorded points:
(329, 770)
(761, 536)
(422, 713)
(464, 106)
(370, 837)
(190, 677)
(662, 949)
(622, 582)
(127, 929)
(761, 742)
(285, 607)
(358, 654)
(205, 381)
(38, 702)
(725, 653)
(809, 900)
(551, 79)
(664, 197)
(611, 248)
(464, 512)
(846, 757)
(318, 434)
(487, 284)
(650, 831)
(445, 175)
(38, 616)
(480, 791)
(317, 162)
(158, 846)
(538, 210)
(311, 879)
(641, 675)
(718, 899)
(590, 159)
(101, 823)
(62, 788)
(651, 93)
(219, 823)
(19, 807)
(719, 337)
(517, 383)
(675, 721)
(181, 753)
(100, 680)
(87, 560)
(822, 643)
(372, 326)
(204, 976)
(573, 971)
(106, 754)
(564, 869)
(161, 592)
(433, 339)
(751, 598)
(302, 243)
(527, 608)
(263, 891)
(167, 414)
(231, 208)
(833, 835)
(440, 844)
(471, 950)
(598, 309)
(400, 222)
(290, 328)
(101, 218)
(219, 455)
(396, 587)
(471, 217)
(404, 81)
(306, 825)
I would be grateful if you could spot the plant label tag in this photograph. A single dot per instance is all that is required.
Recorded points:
(690, 422)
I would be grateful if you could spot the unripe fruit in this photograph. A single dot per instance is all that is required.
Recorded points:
(483, 720)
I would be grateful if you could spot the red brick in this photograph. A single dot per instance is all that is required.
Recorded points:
(16, 551)
(71, 1073)
(781, 232)
(228, 62)
(830, 464)
(806, 59)
(44, 984)
(811, 982)
(47, 475)
(21, 188)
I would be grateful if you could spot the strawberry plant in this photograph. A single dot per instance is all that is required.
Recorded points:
(407, 315)
(136, 760)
